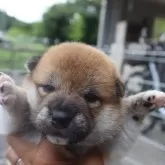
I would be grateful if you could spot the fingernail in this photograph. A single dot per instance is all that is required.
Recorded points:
(19, 162)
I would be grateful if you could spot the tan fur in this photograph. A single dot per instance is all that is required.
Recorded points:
(76, 66)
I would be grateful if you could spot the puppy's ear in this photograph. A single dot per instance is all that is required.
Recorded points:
(32, 62)
(120, 88)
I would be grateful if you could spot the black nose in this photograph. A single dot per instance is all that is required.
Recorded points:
(62, 113)
(62, 118)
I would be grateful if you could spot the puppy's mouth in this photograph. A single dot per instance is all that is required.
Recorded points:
(62, 128)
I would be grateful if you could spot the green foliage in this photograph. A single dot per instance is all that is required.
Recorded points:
(77, 28)
(38, 29)
(57, 22)
(13, 60)
(75, 20)
(90, 14)
(90, 29)
(159, 27)
(15, 31)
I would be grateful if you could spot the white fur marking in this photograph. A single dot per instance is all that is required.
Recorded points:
(43, 114)
(32, 96)
(80, 120)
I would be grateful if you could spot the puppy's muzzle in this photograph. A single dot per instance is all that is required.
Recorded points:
(62, 115)
(71, 116)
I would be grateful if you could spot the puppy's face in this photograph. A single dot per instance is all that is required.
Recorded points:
(74, 91)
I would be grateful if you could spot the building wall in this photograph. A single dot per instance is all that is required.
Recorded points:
(142, 8)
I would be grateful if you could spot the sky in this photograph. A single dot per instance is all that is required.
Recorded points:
(27, 10)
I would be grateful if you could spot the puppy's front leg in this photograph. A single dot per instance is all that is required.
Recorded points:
(137, 107)
(142, 103)
(13, 99)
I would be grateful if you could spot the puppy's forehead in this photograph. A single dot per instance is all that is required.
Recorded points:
(76, 63)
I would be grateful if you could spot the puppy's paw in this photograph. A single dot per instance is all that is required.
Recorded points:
(153, 99)
(57, 140)
(7, 94)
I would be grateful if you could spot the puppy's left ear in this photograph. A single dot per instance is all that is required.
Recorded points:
(120, 88)
(32, 63)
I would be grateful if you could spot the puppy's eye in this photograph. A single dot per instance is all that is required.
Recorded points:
(136, 118)
(43, 89)
(91, 97)
(48, 88)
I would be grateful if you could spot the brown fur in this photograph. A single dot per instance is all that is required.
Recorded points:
(76, 66)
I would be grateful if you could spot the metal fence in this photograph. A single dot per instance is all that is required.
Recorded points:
(13, 58)
(153, 63)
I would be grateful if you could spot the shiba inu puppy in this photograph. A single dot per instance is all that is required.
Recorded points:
(74, 97)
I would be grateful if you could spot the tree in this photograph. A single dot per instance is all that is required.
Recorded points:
(6, 22)
(77, 28)
(38, 29)
(57, 21)
(90, 29)
(75, 20)
(90, 13)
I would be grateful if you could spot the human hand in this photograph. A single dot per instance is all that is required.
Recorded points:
(46, 154)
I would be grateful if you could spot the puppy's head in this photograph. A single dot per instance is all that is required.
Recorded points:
(75, 92)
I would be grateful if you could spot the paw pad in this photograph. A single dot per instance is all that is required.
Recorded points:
(154, 99)
(6, 88)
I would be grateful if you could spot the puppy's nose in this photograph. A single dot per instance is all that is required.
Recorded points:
(62, 112)
(62, 118)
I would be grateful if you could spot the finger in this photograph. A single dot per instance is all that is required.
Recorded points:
(94, 157)
(52, 154)
(13, 157)
(20, 145)
(44, 152)
(55, 151)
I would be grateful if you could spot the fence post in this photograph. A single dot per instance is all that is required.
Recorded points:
(13, 57)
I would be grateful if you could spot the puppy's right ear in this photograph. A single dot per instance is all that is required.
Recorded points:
(32, 62)
(120, 88)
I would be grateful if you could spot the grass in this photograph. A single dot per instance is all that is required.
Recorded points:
(35, 46)
(15, 60)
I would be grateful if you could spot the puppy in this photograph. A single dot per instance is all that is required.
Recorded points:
(138, 107)
(74, 97)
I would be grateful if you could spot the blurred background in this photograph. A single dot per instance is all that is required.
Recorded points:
(132, 32)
